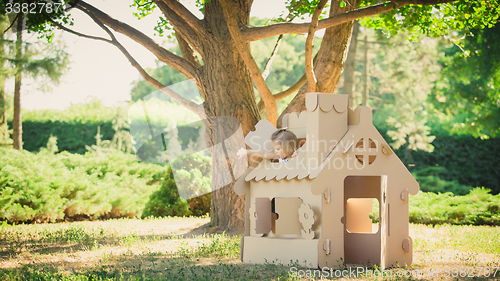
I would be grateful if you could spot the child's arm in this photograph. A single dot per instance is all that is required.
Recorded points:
(254, 154)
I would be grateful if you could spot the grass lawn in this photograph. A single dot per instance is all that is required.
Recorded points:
(185, 249)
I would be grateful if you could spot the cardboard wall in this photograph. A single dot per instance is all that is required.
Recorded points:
(289, 196)
(326, 123)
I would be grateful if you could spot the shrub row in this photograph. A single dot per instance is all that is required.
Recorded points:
(465, 159)
(71, 137)
(44, 187)
(47, 187)
(478, 207)
(430, 181)
(74, 137)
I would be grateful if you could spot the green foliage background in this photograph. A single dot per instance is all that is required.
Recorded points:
(192, 171)
(470, 84)
(465, 159)
(47, 187)
(74, 127)
(478, 207)
(44, 187)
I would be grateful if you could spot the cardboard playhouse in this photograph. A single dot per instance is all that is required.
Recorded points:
(314, 209)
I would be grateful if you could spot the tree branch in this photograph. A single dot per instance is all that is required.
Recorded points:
(281, 95)
(183, 21)
(197, 109)
(12, 24)
(422, 2)
(264, 92)
(294, 88)
(145, 4)
(330, 58)
(186, 15)
(78, 33)
(311, 79)
(261, 32)
(293, 9)
(183, 66)
(267, 67)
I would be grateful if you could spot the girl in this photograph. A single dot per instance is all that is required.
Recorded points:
(285, 146)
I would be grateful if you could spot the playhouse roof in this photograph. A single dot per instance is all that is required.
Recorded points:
(360, 127)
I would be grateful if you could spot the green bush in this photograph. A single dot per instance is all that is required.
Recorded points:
(74, 136)
(71, 136)
(192, 172)
(478, 207)
(467, 160)
(429, 181)
(47, 187)
(76, 127)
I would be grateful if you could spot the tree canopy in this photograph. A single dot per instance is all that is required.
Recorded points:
(469, 91)
(416, 17)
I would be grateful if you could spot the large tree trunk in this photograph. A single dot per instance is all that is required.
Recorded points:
(331, 59)
(17, 124)
(227, 88)
(350, 66)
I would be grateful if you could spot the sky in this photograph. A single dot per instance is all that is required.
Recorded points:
(100, 70)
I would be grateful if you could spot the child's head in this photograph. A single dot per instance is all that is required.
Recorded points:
(284, 142)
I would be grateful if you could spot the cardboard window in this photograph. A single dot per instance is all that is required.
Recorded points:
(262, 213)
(358, 213)
(366, 150)
(288, 215)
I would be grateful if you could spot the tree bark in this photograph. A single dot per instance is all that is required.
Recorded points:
(350, 67)
(17, 123)
(244, 51)
(227, 88)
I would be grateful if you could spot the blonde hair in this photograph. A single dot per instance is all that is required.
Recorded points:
(288, 140)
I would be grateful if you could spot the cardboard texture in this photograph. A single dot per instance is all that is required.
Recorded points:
(288, 215)
(262, 215)
(357, 213)
(260, 139)
(322, 197)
